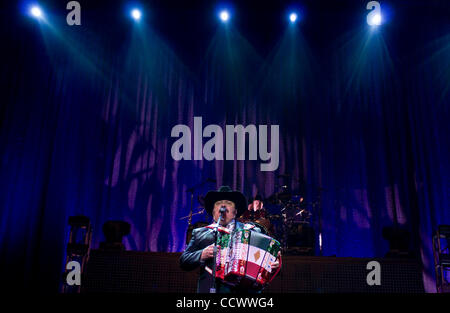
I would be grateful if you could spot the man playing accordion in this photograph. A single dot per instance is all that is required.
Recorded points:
(199, 252)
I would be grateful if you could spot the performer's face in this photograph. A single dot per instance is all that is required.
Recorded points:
(230, 213)
(257, 205)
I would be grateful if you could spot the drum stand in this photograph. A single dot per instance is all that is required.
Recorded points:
(317, 209)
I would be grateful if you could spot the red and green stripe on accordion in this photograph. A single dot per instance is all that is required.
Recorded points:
(246, 257)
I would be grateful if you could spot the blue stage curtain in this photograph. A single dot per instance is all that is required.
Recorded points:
(85, 126)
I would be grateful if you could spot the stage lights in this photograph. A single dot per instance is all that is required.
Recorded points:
(293, 17)
(374, 17)
(375, 20)
(224, 16)
(136, 14)
(36, 11)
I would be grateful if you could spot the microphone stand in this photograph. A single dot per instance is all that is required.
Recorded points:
(213, 289)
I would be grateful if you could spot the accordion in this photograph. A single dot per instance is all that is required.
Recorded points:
(244, 258)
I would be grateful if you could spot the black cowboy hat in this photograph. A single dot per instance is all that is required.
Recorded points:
(225, 193)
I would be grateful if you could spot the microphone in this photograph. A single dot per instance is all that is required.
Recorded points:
(222, 211)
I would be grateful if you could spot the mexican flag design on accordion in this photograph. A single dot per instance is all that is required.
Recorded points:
(249, 255)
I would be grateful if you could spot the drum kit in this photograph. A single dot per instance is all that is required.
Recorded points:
(289, 221)
(285, 216)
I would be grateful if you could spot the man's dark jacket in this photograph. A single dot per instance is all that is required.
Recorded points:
(190, 259)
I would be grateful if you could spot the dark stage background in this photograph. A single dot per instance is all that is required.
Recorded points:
(86, 115)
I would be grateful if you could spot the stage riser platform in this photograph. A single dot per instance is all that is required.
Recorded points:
(144, 272)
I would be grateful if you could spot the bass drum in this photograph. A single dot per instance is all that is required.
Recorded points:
(191, 228)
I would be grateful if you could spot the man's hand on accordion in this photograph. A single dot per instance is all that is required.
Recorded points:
(207, 253)
(276, 264)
